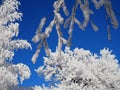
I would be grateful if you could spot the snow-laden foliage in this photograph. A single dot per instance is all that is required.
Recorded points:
(9, 74)
(40, 88)
(8, 78)
(58, 21)
(9, 29)
(81, 70)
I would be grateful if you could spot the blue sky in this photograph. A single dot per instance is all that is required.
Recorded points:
(34, 10)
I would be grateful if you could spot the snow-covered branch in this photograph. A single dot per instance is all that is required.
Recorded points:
(42, 36)
(58, 21)
(9, 30)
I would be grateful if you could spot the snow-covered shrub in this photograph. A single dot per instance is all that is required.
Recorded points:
(81, 70)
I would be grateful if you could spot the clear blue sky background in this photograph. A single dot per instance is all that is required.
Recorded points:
(34, 10)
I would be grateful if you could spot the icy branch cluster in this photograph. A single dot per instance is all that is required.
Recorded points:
(58, 21)
(9, 29)
(81, 70)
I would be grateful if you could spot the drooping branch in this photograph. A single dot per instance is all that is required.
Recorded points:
(111, 13)
(58, 22)
(72, 22)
